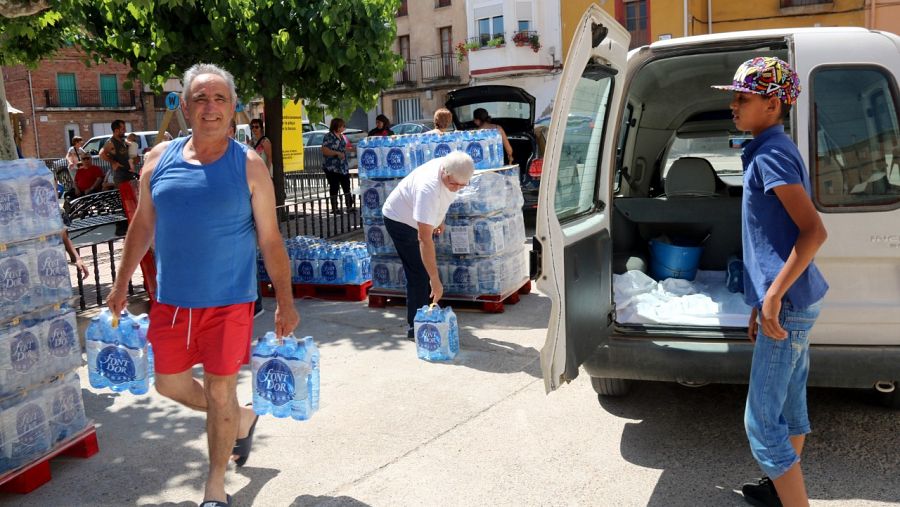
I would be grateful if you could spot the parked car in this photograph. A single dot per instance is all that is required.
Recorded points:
(312, 147)
(145, 141)
(608, 189)
(412, 127)
(309, 127)
(512, 108)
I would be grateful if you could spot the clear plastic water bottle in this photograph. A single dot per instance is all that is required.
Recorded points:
(62, 348)
(263, 353)
(350, 265)
(95, 340)
(315, 379)
(488, 281)
(65, 408)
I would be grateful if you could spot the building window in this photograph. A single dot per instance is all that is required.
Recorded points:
(524, 25)
(109, 93)
(406, 110)
(441, 3)
(65, 88)
(489, 28)
(446, 39)
(71, 130)
(636, 21)
(403, 42)
(402, 11)
(857, 141)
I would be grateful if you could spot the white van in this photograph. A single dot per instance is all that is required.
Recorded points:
(659, 133)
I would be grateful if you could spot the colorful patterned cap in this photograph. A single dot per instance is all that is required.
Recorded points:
(767, 76)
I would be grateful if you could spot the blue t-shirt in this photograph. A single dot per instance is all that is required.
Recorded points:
(768, 232)
(205, 234)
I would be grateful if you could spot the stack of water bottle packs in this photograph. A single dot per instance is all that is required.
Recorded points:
(481, 250)
(119, 356)
(318, 261)
(40, 395)
(285, 376)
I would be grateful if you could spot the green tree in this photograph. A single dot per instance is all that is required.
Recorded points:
(333, 52)
(29, 30)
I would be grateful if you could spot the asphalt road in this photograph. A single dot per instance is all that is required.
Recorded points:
(397, 431)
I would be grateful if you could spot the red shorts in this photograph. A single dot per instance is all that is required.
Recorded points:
(217, 337)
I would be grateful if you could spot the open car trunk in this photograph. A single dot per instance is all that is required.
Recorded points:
(686, 191)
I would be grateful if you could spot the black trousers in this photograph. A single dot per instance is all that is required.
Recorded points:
(336, 180)
(418, 284)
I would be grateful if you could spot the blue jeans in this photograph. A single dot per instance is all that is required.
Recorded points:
(776, 401)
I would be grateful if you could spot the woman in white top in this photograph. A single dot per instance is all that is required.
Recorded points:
(73, 156)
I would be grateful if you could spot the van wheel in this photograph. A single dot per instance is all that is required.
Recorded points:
(891, 399)
(610, 386)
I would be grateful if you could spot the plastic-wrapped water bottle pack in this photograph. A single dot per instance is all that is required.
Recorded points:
(32, 421)
(396, 156)
(481, 236)
(488, 193)
(437, 333)
(285, 376)
(479, 276)
(37, 346)
(28, 203)
(119, 356)
(33, 273)
(387, 273)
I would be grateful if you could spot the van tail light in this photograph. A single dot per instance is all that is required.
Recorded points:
(536, 168)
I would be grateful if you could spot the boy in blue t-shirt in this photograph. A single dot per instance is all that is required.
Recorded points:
(782, 232)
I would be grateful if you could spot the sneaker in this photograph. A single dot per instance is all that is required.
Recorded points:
(259, 310)
(761, 494)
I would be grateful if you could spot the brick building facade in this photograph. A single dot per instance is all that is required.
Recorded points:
(63, 97)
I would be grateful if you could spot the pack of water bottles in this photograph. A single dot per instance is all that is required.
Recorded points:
(33, 421)
(487, 193)
(37, 346)
(481, 235)
(28, 203)
(396, 156)
(285, 376)
(33, 273)
(388, 273)
(437, 333)
(319, 261)
(478, 276)
(378, 241)
(373, 193)
(118, 354)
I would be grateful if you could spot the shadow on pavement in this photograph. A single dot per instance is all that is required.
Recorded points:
(333, 501)
(696, 437)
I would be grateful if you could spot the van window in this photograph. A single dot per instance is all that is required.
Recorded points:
(722, 152)
(580, 153)
(856, 146)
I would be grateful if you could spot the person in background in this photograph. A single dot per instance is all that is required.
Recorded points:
(482, 120)
(74, 258)
(334, 149)
(88, 178)
(133, 150)
(443, 120)
(74, 155)
(782, 231)
(115, 151)
(414, 213)
(260, 143)
(382, 126)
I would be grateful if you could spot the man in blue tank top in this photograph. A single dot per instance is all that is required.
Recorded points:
(206, 201)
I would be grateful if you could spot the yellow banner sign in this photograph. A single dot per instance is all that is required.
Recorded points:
(292, 136)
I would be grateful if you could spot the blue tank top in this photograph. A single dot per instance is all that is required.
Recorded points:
(205, 234)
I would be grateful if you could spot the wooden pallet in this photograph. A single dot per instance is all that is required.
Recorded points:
(37, 473)
(488, 303)
(322, 291)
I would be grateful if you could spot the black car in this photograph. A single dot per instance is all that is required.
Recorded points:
(512, 108)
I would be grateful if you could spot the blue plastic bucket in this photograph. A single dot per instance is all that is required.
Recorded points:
(674, 261)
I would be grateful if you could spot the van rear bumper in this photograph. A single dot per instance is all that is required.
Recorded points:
(728, 362)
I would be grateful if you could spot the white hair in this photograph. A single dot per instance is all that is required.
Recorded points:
(206, 68)
(459, 165)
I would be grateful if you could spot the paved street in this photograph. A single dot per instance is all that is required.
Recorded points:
(397, 431)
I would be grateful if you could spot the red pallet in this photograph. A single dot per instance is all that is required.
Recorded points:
(322, 291)
(36, 474)
(488, 303)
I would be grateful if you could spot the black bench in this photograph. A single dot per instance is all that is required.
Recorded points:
(95, 210)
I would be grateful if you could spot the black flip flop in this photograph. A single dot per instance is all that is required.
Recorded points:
(242, 446)
(216, 503)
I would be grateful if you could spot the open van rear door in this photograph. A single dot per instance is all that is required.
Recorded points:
(572, 243)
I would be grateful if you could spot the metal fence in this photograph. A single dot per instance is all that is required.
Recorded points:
(90, 98)
(101, 259)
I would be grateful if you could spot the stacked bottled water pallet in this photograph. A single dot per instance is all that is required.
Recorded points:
(481, 252)
(319, 261)
(40, 394)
